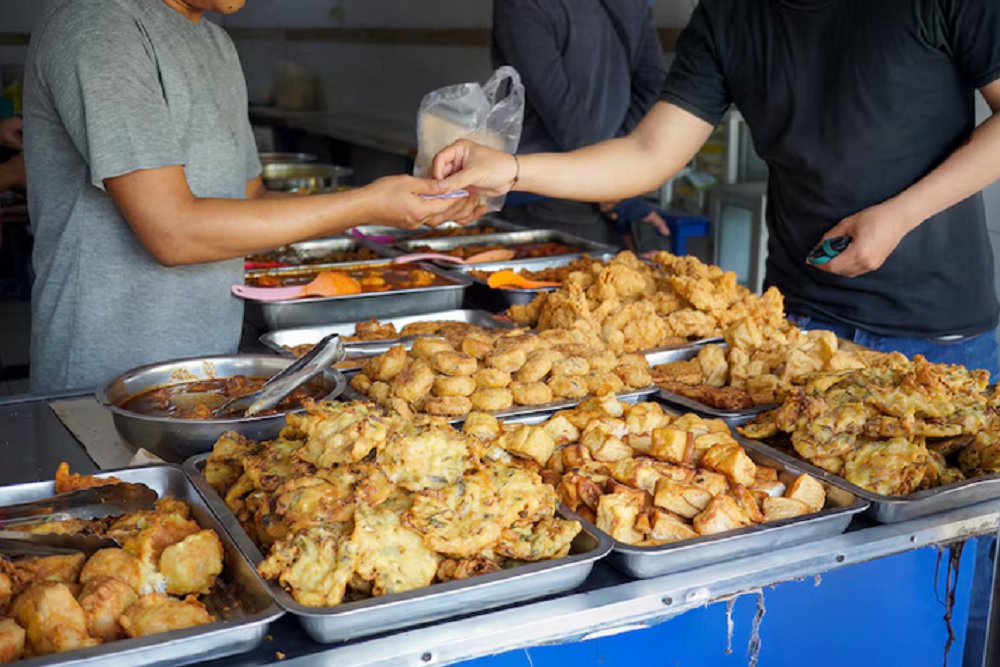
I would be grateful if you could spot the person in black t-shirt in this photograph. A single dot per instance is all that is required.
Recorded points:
(864, 113)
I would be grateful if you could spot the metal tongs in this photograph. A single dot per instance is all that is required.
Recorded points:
(328, 352)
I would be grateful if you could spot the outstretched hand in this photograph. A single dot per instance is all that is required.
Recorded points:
(466, 165)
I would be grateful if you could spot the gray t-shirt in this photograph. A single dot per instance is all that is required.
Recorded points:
(113, 87)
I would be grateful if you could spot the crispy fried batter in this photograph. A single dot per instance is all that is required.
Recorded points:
(157, 613)
(389, 554)
(52, 619)
(103, 601)
(67, 482)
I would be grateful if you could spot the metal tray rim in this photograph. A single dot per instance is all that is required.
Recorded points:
(144, 645)
(586, 245)
(285, 601)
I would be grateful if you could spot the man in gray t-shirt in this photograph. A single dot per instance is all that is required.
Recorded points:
(146, 191)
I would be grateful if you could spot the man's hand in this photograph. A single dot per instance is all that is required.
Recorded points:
(466, 165)
(398, 202)
(10, 133)
(875, 233)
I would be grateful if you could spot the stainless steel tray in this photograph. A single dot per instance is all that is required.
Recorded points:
(893, 509)
(335, 310)
(686, 353)
(481, 295)
(586, 246)
(352, 620)
(242, 627)
(308, 251)
(648, 562)
(403, 234)
(279, 341)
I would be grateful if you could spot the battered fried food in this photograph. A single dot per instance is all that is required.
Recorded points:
(448, 406)
(455, 364)
(550, 538)
(466, 568)
(103, 601)
(192, 565)
(459, 520)
(387, 366)
(722, 514)
(161, 531)
(157, 613)
(12, 638)
(225, 464)
(427, 348)
(421, 456)
(120, 564)
(531, 393)
(492, 400)
(568, 386)
(337, 435)
(454, 386)
(52, 619)
(530, 442)
(67, 482)
(388, 553)
(414, 383)
(25, 573)
(313, 565)
(491, 378)
(482, 426)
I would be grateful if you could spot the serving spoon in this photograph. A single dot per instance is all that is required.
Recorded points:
(485, 257)
(326, 284)
(508, 279)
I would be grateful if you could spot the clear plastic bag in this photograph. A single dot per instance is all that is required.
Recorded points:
(474, 112)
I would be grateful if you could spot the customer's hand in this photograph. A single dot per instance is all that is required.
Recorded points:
(466, 165)
(10, 133)
(398, 201)
(875, 233)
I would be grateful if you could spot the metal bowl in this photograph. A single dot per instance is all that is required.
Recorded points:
(311, 179)
(292, 158)
(176, 440)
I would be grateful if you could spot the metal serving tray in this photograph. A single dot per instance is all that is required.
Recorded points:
(352, 620)
(307, 251)
(242, 626)
(648, 562)
(893, 509)
(686, 353)
(356, 307)
(586, 246)
(402, 234)
(481, 295)
(279, 341)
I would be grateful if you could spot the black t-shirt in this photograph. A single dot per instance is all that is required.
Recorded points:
(850, 102)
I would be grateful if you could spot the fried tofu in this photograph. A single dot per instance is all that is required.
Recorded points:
(578, 490)
(776, 509)
(637, 473)
(806, 489)
(685, 500)
(617, 514)
(672, 445)
(530, 442)
(668, 527)
(722, 514)
(481, 425)
(561, 430)
(732, 461)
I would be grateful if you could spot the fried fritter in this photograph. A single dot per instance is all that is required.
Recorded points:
(67, 482)
(461, 519)
(225, 464)
(29, 571)
(339, 433)
(313, 565)
(389, 554)
(104, 600)
(550, 538)
(12, 639)
(192, 565)
(466, 568)
(418, 457)
(53, 620)
(157, 613)
(120, 564)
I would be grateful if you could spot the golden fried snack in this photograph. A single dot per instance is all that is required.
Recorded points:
(571, 366)
(510, 361)
(389, 554)
(162, 531)
(567, 386)
(423, 456)
(104, 600)
(603, 383)
(67, 482)
(63, 569)
(53, 620)
(466, 568)
(426, 348)
(530, 442)
(455, 521)
(6, 588)
(806, 489)
(667, 528)
(617, 514)
(12, 639)
(477, 346)
(531, 393)
(561, 430)
(722, 514)
(386, 366)
(634, 371)
(362, 383)
(380, 392)
(732, 461)
(192, 565)
(776, 509)
(120, 564)
(313, 565)
(454, 386)
(157, 613)
(224, 465)
(491, 378)
(492, 400)
(683, 499)
(448, 406)
(456, 364)
(892, 467)
(550, 538)
(414, 383)
(482, 426)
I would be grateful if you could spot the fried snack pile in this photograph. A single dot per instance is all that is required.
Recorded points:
(649, 479)
(634, 307)
(56, 604)
(891, 428)
(351, 503)
(755, 368)
(555, 274)
(496, 370)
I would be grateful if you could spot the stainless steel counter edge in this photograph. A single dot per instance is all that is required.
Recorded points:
(637, 604)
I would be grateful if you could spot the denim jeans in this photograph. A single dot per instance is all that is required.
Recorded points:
(972, 352)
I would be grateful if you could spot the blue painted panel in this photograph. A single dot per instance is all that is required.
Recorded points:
(886, 612)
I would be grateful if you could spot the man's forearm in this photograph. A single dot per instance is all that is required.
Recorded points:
(968, 170)
(621, 168)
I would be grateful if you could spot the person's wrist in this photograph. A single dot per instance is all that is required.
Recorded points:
(906, 213)
(517, 174)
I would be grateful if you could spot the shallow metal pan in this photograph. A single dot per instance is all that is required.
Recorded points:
(894, 509)
(481, 295)
(648, 562)
(686, 353)
(586, 246)
(242, 627)
(352, 620)
(305, 253)
(357, 307)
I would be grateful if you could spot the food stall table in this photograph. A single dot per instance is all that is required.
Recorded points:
(33, 442)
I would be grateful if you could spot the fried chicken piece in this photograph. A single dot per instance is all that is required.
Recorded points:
(157, 613)
(466, 568)
(390, 554)
(117, 563)
(104, 600)
(12, 639)
(459, 520)
(424, 456)
(548, 539)
(561, 309)
(67, 482)
(53, 620)
(192, 565)
(722, 514)
(339, 433)
(635, 327)
(313, 565)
